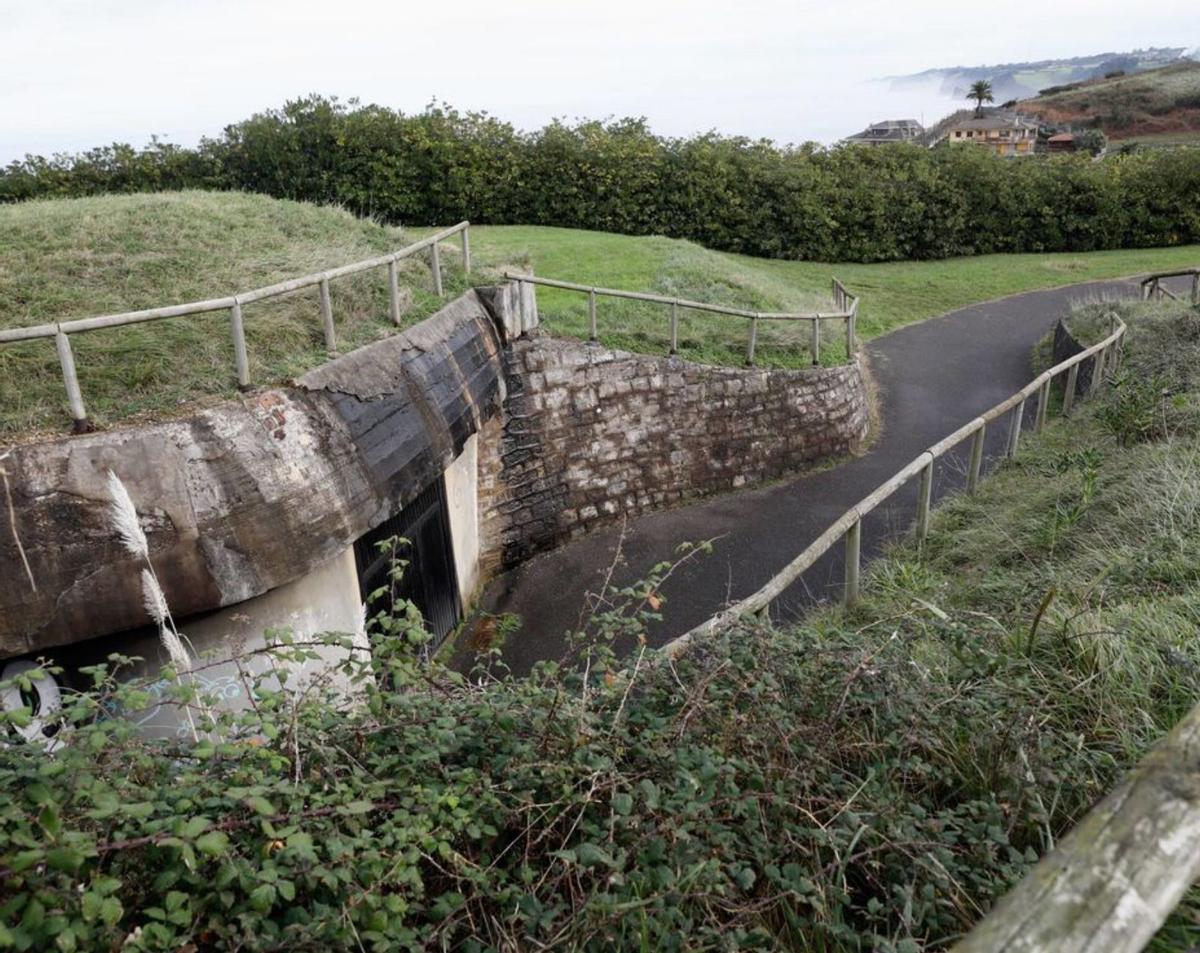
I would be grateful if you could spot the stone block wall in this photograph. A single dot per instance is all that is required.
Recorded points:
(590, 434)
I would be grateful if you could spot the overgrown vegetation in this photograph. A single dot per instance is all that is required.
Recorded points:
(728, 193)
(862, 781)
(121, 253)
(1159, 102)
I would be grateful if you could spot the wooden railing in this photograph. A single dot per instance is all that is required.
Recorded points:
(1113, 880)
(61, 330)
(848, 528)
(845, 308)
(1153, 286)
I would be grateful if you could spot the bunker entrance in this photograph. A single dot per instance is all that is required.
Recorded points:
(429, 579)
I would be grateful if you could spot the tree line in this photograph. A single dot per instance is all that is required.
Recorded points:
(725, 192)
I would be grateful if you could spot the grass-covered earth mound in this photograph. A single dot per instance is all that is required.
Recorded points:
(70, 258)
(77, 258)
(892, 294)
(865, 780)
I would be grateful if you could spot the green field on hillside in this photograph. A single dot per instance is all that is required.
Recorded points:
(1160, 105)
(893, 294)
(80, 257)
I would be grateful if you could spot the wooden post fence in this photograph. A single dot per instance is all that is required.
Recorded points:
(60, 331)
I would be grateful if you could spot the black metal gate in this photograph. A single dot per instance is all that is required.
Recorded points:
(429, 579)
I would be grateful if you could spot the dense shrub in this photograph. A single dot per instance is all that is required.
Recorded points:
(727, 193)
(856, 782)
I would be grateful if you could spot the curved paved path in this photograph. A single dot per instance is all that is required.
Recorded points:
(932, 378)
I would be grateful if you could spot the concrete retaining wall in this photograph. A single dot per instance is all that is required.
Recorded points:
(247, 496)
(590, 434)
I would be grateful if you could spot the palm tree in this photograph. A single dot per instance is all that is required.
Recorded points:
(981, 92)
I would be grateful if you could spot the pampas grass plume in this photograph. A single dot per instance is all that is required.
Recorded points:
(125, 518)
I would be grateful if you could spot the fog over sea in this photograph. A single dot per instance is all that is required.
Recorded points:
(80, 73)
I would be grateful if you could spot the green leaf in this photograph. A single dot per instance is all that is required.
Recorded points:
(262, 898)
(622, 803)
(66, 860)
(195, 826)
(261, 805)
(49, 819)
(357, 807)
(212, 843)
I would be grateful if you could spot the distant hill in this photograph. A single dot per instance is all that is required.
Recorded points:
(1157, 104)
(1022, 80)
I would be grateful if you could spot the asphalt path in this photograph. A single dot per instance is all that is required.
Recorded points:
(931, 378)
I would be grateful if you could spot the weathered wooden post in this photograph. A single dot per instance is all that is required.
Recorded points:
(1097, 373)
(66, 358)
(924, 499)
(466, 247)
(1072, 386)
(816, 340)
(853, 556)
(394, 292)
(327, 318)
(850, 321)
(592, 315)
(675, 327)
(1043, 399)
(1014, 431)
(240, 358)
(1196, 287)
(753, 340)
(435, 262)
(976, 459)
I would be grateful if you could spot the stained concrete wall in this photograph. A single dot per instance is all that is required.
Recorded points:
(245, 497)
(325, 600)
(591, 434)
(462, 502)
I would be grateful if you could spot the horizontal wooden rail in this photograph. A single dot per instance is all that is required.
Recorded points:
(846, 526)
(1152, 286)
(59, 330)
(845, 309)
(1117, 876)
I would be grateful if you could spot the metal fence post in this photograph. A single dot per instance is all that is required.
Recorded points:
(753, 340)
(327, 318)
(816, 340)
(674, 327)
(394, 291)
(240, 359)
(1014, 431)
(466, 247)
(924, 498)
(66, 358)
(853, 556)
(976, 459)
(1072, 386)
(435, 262)
(1043, 398)
(592, 314)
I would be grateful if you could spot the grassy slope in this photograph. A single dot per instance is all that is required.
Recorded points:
(1156, 103)
(82, 257)
(893, 294)
(64, 259)
(1050, 619)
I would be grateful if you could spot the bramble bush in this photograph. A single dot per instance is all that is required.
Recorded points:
(870, 780)
(727, 193)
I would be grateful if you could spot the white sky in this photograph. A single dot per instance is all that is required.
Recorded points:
(78, 73)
